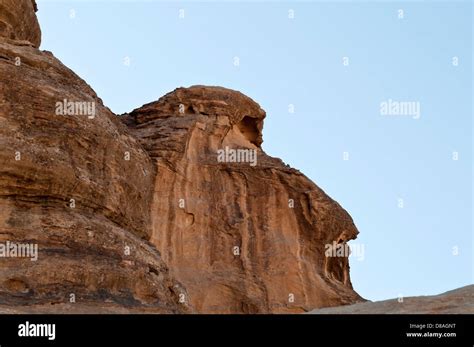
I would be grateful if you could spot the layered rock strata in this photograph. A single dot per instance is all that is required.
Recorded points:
(172, 208)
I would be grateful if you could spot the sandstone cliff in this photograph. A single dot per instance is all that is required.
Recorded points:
(245, 236)
(18, 21)
(65, 185)
(138, 213)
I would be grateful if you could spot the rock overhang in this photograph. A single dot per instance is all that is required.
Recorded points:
(243, 113)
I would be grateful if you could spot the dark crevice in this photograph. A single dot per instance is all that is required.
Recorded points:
(248, 126)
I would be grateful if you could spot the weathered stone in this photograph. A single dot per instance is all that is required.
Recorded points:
(186, 176)
(66, 185)
(205, 211)
(18, 21)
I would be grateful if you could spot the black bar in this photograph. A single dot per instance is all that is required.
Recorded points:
(314, 330)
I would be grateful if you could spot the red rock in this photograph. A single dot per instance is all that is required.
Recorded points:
(18, 21)
(241, 237)
(47, 159)
(279, 220)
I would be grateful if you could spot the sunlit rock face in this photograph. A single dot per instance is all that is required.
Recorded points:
(18, 21)
(172, 208)
(239, 229)
(73, 183)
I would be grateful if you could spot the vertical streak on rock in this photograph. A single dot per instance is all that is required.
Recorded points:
(49, 159)
(282, 249)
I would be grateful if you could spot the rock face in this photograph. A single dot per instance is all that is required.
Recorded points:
(171, 208)
(67, 186)
(18, 21)
(242, 237)
(460, 300)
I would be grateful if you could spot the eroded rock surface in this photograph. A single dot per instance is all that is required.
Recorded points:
(149, 212)
(18, 21)
(66, 185)
(242, 237)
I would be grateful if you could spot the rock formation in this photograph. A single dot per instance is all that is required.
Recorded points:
(458, 301)
(246, 236)
(65, 185)
(171, 208)
(18, 21)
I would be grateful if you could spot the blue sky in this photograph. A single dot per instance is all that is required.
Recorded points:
(299, 61)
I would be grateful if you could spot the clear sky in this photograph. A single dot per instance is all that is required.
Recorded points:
(419, 245)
